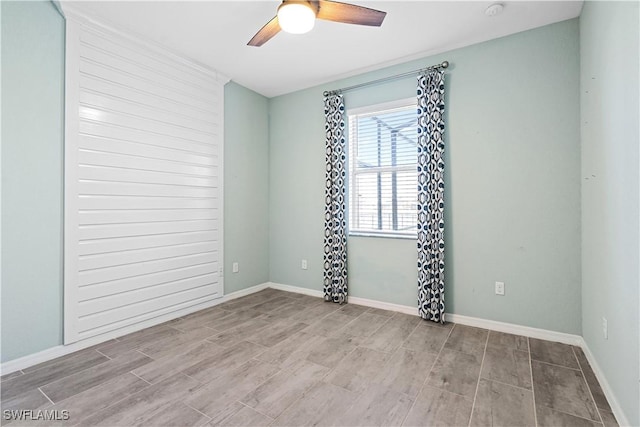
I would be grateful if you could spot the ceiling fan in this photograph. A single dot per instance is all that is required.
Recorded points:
(298, 17)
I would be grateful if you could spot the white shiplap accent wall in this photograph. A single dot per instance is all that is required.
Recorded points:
(143, 180)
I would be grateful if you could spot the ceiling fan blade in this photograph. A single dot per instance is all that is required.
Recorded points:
(349, 13)
(270, 29)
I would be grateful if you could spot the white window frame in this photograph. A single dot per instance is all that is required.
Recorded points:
(352, 170)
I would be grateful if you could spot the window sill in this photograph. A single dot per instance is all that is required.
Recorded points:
(383, 236)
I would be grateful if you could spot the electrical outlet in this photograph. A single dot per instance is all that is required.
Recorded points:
(499, 288)
(235, 267)
(220, 272)
(303, 265)
(605, 328)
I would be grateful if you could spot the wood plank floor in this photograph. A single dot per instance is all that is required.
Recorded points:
(284, 359)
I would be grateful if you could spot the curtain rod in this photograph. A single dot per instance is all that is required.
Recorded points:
(443, 64)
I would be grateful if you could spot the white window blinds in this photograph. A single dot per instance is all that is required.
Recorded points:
(382, 169)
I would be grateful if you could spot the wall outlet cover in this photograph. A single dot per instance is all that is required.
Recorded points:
(499, 288)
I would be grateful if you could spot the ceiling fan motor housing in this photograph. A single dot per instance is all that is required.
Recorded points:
(296, 17)
(299, 16)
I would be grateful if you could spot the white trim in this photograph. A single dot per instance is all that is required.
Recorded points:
(244, 292)
(295, 289)
(61, 350)
(221, 142)
(604, 384)
(384, 305)
(70, 184)
(511, 328)
(391, 105)
(455, 318)
(382, 235)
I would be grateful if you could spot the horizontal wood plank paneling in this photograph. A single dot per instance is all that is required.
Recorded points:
(141, 122)
(110, 145)
(129, 161)
(131, 297)
(103, 322)
(119, 272)
(106, 231)
(124, 202)
(143, 171)
(95, 217)
(95, 261)
(128, 134)
(152, 112)
(131, 283)
(109, 173)
(169, 67)
(100, 188)
(101, 246)
(96, 70)
(98, 85)
(143, 67)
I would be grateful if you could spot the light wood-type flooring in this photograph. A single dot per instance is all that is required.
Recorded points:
(284, 359)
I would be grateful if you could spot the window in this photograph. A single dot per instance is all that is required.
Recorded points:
(383, 170)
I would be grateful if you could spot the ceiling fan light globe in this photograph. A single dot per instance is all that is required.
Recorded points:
(296, 18)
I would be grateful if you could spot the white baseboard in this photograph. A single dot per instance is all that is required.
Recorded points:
(295, 289)
(244, 292)
(62, 350)
(353, 300)
(384, 305)
(492, 325)
(604, 384)
(511, 328)
(455, 318)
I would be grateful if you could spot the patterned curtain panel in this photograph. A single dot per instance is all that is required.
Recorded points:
(335, 222)
(431, 195)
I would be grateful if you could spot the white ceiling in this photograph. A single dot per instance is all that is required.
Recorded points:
(215, 33)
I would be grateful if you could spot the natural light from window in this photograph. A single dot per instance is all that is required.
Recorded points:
(383, 169)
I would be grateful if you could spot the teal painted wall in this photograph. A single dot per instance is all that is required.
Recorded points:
(32, 167)
(609, 88)
(246, 192)
(512, 184)
(32, 172)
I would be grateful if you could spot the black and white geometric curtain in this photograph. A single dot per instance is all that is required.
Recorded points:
(335, 222)
(431, 195)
